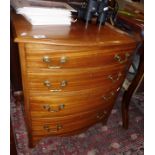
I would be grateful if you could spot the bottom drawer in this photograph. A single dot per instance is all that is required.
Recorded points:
(68, 124)
(36, 138)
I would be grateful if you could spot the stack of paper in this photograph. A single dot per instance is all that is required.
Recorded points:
(44, 12)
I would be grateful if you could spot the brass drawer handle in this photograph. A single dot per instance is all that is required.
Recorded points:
(107, 98)
(48, 84)
(115, 79)
(50, 108)
(48, 61)
(120, 60)
(101, 116)
(48, 129)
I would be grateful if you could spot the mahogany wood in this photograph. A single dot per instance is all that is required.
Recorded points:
(77, 59)
(95, 60)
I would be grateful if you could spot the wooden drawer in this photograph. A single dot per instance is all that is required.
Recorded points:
(90, 58)
(75, 80)
(66, 124)
(48, 106)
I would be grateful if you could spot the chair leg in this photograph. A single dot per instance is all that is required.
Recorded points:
(125, 109)
(128, 94)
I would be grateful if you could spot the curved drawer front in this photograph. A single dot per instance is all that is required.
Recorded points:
(75, 80)
(67, 124)
(62, 106)
(57, 60)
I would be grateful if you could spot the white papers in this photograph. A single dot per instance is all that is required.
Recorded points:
(41, 16)
(44, 12)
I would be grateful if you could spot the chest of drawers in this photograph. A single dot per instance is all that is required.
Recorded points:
(71, 77)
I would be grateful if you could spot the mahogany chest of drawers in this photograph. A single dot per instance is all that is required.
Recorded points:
(71, 76)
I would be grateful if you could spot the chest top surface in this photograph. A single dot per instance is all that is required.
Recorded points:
(76, 34)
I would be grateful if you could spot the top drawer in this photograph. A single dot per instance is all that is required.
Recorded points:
(75, 58)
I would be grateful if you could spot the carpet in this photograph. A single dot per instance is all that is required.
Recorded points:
(110, 139)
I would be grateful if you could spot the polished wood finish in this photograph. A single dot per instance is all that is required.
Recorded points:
(67, 123)
(90, 78)
(75, 35)
(72, 104)
(71, 77)
(74, 58)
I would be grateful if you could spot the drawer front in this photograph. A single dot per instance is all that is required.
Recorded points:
(75, 80)
(62, 106)
(67, 124)
(57, 60)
